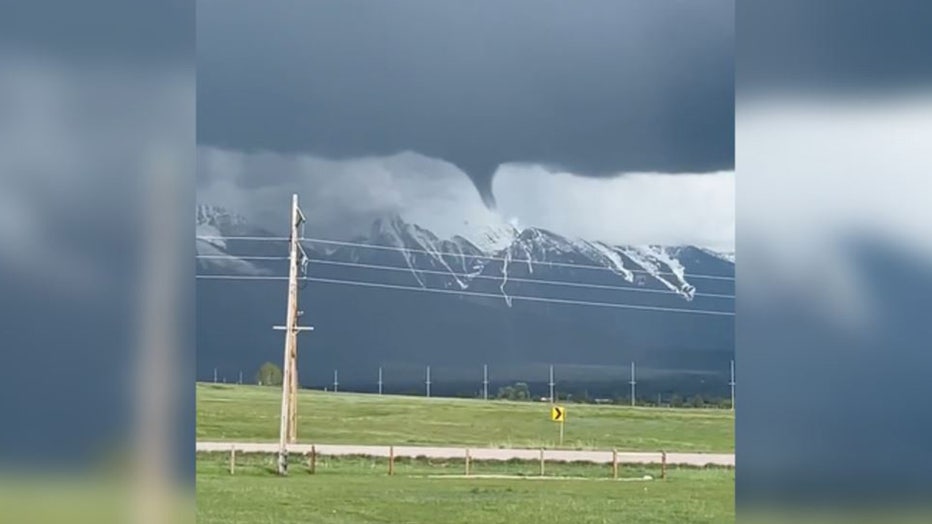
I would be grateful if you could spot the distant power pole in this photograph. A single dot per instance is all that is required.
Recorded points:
(428, 382)
(732, 384)
(336, 382)
(380, 380)
(485, 382)
(552, 400)
(633, 383)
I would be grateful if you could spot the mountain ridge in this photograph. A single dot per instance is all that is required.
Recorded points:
(421, 250)
(662, 293)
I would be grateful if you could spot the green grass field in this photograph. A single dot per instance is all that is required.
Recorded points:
(250, 414)
(358, 490)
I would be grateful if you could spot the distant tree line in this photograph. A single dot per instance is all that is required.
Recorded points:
(270, 374)
(520, 392)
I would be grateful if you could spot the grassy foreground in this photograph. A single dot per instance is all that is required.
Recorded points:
(250, 414)
(355, 490)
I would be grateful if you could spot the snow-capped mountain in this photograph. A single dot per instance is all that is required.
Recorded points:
(522, 295)
(217, 252)
(407, 254)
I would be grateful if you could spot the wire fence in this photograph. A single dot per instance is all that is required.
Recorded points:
(257, 458)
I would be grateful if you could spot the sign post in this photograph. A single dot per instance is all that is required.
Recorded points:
(558, 414)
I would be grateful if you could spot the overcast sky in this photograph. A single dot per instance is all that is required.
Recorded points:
(545, 94)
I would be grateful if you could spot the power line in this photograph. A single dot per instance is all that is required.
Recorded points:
(448, 253)
(473, 275)
(512, 279)
(238, 257)
(500, 259)
(251, 238)
(472, 293)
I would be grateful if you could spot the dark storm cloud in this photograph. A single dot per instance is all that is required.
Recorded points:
(127, 31)
(597, 88)
(833, 44)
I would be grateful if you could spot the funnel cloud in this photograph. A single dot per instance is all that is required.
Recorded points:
(609, 88)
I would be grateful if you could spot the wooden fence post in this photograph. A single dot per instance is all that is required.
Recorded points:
(541, 462)
(467, 462)
(232, 459)
(614, 463)
(391, 460)
(312, 460)
(663, 464)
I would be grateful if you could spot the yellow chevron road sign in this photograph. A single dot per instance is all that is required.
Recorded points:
(558, 413)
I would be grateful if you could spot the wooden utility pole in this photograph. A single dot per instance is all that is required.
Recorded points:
(288, 429)
(293, 387)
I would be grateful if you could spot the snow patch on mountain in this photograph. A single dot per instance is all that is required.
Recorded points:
(217, 216)
(491, 237)
(527, 257)
(426, 241)
(505, 276)
(208, 230)
(383, 230)
(652, 259)
(727, 256)
(218, 258)
(608, 256)
(217, 225)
